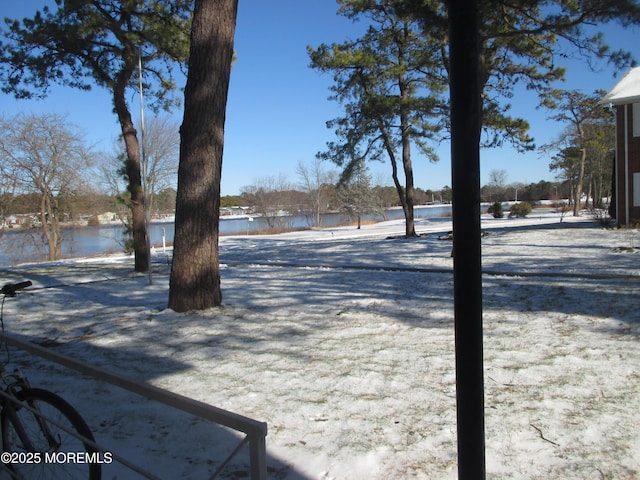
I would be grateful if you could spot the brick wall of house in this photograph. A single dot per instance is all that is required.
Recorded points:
(634, 164)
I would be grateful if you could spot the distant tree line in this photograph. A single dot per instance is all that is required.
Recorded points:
(77, 206)
(70, 205)
(270, 195)
(498, 190)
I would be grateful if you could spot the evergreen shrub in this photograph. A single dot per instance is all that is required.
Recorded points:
(496, 210)
(520, 210)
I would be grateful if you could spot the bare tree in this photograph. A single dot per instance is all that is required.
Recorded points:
(161, 147)
(112, 179)
(44, 155)
(162, 151)
(498, 178)
(270, 196)
(496, 186)
(601, 147)
(315, 181)
(7, 191)
(356, 195)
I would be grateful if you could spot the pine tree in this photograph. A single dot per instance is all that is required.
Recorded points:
(195, 273)
(101, 42)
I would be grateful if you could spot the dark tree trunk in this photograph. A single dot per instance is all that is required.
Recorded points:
(408, 204)
(613, 206)
(134, 175)
(51, 225)
(195, 273)
(466, 123)
(580, 182)
(405, 194)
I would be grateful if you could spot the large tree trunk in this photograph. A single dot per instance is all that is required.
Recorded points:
(133, 171)
(195, 273)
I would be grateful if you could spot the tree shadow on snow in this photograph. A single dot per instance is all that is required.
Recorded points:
(601, 300)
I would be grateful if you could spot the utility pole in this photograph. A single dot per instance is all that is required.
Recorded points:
(466, 123)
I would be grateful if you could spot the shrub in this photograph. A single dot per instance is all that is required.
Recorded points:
(128, 246)
(521, 210)
(601, 217)
(496, 210)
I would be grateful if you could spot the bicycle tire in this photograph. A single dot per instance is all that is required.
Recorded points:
(52, 462)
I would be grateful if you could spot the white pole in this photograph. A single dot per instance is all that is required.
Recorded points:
(627, 199)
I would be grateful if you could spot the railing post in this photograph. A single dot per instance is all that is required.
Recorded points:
(258, 456)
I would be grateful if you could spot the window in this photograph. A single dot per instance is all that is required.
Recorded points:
(636, 119)
(636, 189)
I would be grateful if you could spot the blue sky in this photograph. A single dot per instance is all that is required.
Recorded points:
(278, 107)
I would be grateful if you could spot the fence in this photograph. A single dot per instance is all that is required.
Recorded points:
(255, 431)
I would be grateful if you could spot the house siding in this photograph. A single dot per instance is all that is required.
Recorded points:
(633, 156)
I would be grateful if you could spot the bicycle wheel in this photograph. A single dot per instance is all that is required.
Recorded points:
(58, 455)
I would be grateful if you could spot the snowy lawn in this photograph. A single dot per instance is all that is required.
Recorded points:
(342, 341)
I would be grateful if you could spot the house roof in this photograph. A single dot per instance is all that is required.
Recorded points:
(627, 90)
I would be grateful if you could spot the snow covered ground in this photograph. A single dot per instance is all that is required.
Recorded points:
(342, 341)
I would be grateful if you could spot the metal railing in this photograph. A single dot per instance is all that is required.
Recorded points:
(254, 430)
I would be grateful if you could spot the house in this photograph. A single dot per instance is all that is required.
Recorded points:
(625, 98)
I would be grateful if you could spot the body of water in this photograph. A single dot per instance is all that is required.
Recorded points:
(19, 246)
